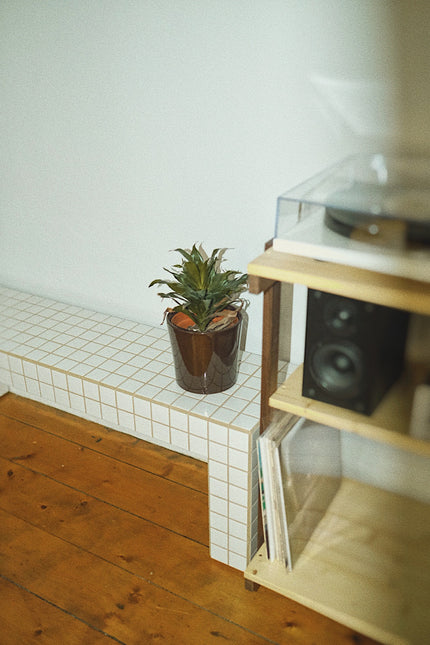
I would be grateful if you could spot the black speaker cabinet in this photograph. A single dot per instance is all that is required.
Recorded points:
(354, 351)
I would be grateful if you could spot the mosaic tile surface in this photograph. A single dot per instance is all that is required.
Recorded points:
(120, 373)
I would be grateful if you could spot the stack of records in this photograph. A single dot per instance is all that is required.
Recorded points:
(299, 472)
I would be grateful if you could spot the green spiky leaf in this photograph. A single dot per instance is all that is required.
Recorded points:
(199, 288)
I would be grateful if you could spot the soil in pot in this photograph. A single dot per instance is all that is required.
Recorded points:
(205, 362)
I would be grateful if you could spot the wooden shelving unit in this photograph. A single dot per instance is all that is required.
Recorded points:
(367, 564)
(389, 423)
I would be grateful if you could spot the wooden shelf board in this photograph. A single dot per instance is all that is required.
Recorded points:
(379, 288)
(389, 423)
(363, 566)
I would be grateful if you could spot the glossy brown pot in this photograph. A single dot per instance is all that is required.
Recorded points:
(205, 362)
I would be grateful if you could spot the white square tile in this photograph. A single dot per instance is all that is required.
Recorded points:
(47, 392)
(93, 408)
(139, 361)
(238, 440)
(160, 413)
(218, 470)
(149, 353)
(66, 364)
(199, 446)
(218, 433)
(4, 363)
(16, 365)
(237, 512)
(44, 374)
(167, 397)
(107, 395)
(252, 410)
(218, 488)
(178, 420)
(218, 538)
(155, 366)
(218, 505)
(148, 391)
(97, 374)
(217, 452)
(237, 546)
(238, 477)
(18, 382)
(123, 356)
(64, 351)
(245, 422)
(77, 402)
(204, 408)
(246, 393)
(124, 401)
(238, 459)
(62, 397)
(109, 413)
(36, 355)
(32, 386)
(5, 377)
(74, 384)
(217, 553)
(143, 426)
(126, 370)
(82, 369)
(142, 407)
(160, 381)
(254, 383)
(179, 439)
(198, 426)
(238, 495)
(30, 370)
(130, 385)
(219, 522)
(236, 404)
(91, 390)
(219, 398)
(126, 420)
(237, 561)
(94, 360)
(238, 530)
(114, 380)
(161, 432)
(224, 415)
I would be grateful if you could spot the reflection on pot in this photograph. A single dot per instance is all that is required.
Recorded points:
(205, 362)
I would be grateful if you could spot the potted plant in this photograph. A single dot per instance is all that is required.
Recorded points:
(205, 323)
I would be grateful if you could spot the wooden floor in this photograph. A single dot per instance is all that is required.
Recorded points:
(104, 540)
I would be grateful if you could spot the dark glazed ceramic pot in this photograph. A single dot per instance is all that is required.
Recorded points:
(205, 362)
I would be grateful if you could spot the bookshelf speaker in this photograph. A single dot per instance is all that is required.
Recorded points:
(354, 350)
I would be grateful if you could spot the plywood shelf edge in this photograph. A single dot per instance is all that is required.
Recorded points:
(388, 424)
(379, 288)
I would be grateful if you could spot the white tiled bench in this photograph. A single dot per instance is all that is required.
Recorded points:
(119, 373)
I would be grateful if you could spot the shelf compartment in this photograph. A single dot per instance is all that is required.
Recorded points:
(367, 565)
(389, 423)
(370, 286)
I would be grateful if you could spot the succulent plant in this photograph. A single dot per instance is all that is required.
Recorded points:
(202, 291)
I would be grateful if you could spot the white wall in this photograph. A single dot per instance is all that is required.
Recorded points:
(131, 127)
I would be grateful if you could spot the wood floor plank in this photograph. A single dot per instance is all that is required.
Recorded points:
(26, 619)
(124, 447)
(88, 554)
(162, 501)
(168, 560)
(110, 599)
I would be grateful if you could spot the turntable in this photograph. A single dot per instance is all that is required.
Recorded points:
(368, 211)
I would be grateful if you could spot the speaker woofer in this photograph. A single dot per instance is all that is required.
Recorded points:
(338, 368)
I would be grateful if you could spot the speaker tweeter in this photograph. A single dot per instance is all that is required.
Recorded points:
(354, 350)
